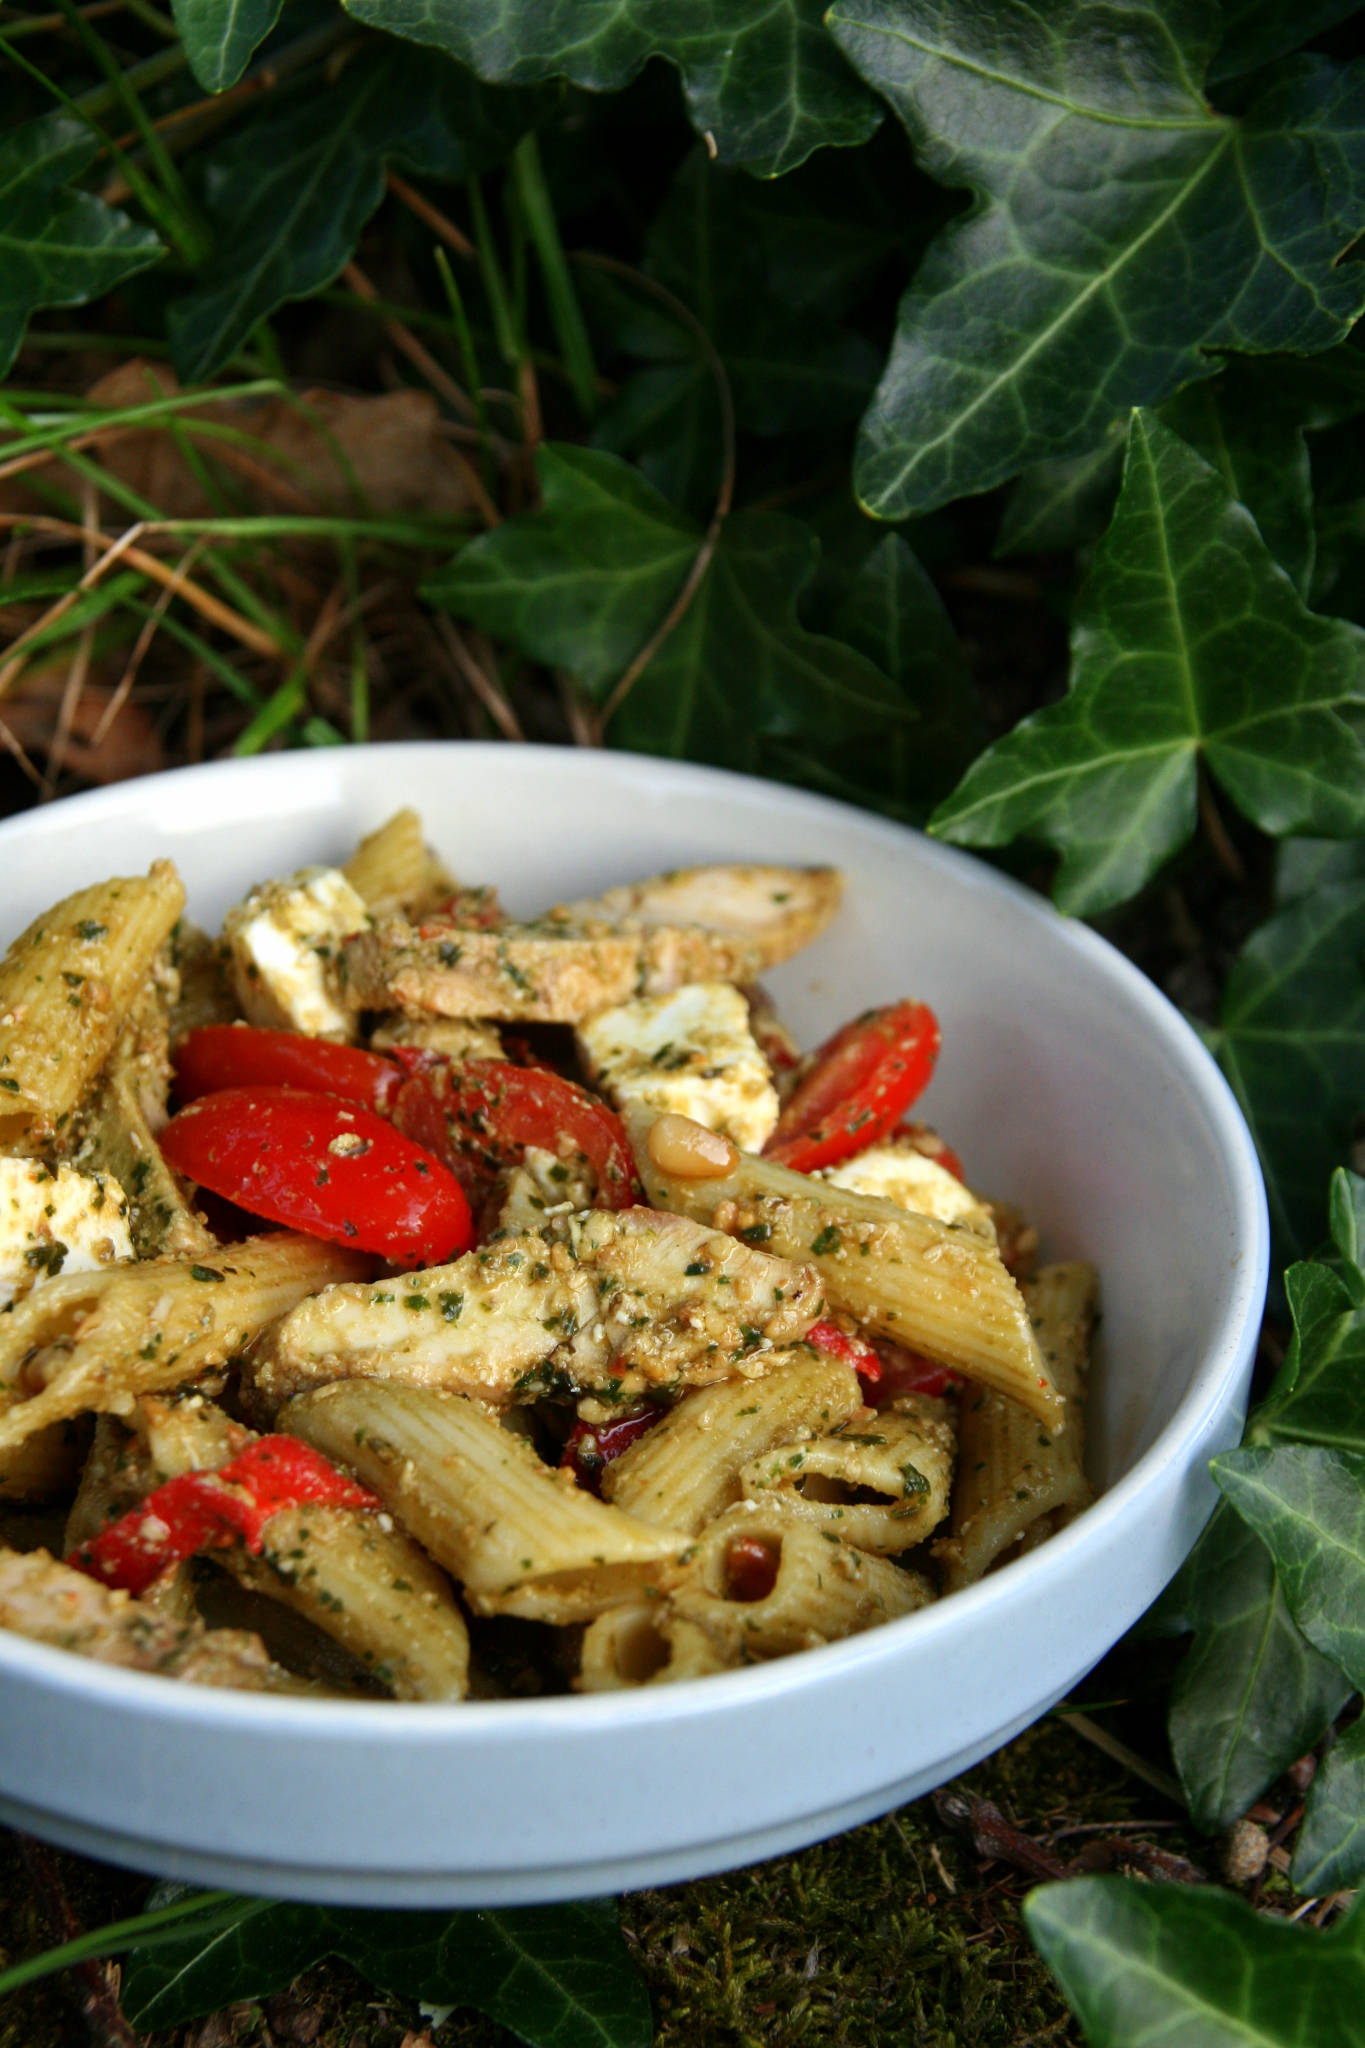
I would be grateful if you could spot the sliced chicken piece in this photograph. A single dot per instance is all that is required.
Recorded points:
(699, 924)
(776, 909)
(631, 1300)
(49, 1603)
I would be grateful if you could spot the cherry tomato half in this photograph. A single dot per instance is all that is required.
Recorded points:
(863, 1081)
(246, 1056)
(480, 1116)
(325, 1167)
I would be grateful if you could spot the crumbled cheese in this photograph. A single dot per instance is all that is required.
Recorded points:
(898, 1172)
(691, 1053)
(282, 940)
(57, 1221)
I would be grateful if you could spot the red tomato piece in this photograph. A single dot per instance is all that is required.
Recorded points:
(246, 1056)
(751, 1567)
(206, 1510)
(854, 1351)
(480, 1116)
(910, 1372)
(863, 1081)
(591, 1446)
(325, 1167)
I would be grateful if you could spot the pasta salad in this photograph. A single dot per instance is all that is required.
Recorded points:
(400, 1299)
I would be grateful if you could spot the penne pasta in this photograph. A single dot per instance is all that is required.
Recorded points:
(119, 1136)
(822, 1589)
(881, 1484)
(1016, 1484)
(686, 1470)
(645, 1644)
(394, 869)
(66, 985)
(94, 1342)
(899, 1275)
(477, 1497)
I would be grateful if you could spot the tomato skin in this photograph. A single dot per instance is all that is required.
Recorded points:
(860, 1086)
(220, 1056)
(325, 1167)
(479, 1117)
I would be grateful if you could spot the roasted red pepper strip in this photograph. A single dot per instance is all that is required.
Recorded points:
(863, 1081)
(480, 1116)
(246, 1056)
(910, 1372)
(325, 1167)
(591, 1446)
(854, 1351)
(207, 1510)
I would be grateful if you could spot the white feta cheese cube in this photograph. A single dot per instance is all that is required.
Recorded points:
(281, 941)
(57, 1221)
(897, 1171)
(691, 1053)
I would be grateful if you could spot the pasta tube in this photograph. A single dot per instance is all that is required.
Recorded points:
(119, 1137)
(908, 1277)
(822, 1589)
(645, 1644)
(98, 1340)
(393, 868)
(881, 1486)
(518, 1538)
(66, 985)
(1015, 1485)
(686, 1469)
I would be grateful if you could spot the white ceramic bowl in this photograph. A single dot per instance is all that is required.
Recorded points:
(1066, 1081)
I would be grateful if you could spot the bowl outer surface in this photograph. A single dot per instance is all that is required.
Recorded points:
(1071, 1087)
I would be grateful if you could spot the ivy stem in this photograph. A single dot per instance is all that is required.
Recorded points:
(1226, 854)
(725, 492)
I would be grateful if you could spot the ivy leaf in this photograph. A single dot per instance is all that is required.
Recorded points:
(1307, 1505)
(1188, 643)
(1252, 1693)
(556, 1976)
(288, 195)
(1194, 1967)
(1255, 32)
(57, 248)
(583, 583)
(1062, 504)
(1307, 864)
(1121, 228)
(705, 245)
(1291, 1040)
(891, 612)
(1329, 1851)
(222, 36)
(761, 77)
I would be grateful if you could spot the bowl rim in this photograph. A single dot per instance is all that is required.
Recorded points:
(398, 1724)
